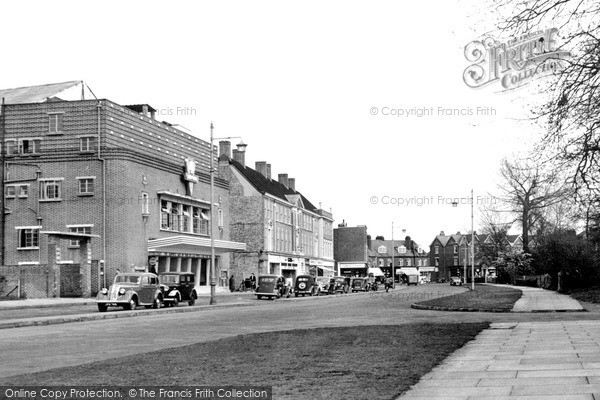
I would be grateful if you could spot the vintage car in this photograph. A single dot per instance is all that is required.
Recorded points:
(272, 287)
(341, 284)
(131, 289)
(326, 285)
(360, 285)
(455, 281)
(177, 287)
(306, 285)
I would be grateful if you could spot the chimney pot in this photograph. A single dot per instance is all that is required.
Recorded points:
(442, 233)
(268, 171)
(283, 179)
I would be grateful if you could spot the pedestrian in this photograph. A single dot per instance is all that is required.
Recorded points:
(232, 283)
(253, 281)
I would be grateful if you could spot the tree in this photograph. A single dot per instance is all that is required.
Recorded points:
(527, 190)
(571, 112)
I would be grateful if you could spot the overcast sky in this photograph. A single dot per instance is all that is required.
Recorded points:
(307, 86)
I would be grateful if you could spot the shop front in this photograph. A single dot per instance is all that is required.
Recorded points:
(353, 269)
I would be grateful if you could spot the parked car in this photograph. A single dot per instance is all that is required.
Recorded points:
(360, 285)
(326, 285)
(455, 281)
(178, 287)
(306, 285)
(271, 287)
(341, 284)
(130, 290)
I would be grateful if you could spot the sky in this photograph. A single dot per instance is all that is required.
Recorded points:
(360, 101)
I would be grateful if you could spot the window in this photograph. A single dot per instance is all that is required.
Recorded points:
(87, 143)
(437, 261)
(10, 146)
(86, 185)
(29, 238)
(11, 191)
(186, 217)
(165, 214)
(29, 146)
(408, 262)
(180, 217)
(50, 189)
(401, 262)
(455, 249)
(85, 229)
(145, 204)
(220, 218)
(23, 191)
(455, 260)
(402, 250)
(175, 217)
(437, 249)
(55, 123)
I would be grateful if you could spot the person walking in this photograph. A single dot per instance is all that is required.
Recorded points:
(253, 281)
(232, 283)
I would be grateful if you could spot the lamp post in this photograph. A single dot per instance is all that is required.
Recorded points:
(454, 204)
(213, 268)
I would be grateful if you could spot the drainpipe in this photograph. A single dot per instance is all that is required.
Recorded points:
(103, 161)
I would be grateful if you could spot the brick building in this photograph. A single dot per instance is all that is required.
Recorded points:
(139, 186)
(351, 250)
(284, 232)
(406, 253)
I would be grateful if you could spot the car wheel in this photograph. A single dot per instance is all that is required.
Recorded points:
(258, 297)
(157, 303)
(175, 302)
(131, 305)
(192, 299)
(102, 307)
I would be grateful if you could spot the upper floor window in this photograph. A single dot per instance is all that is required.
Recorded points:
(23, 146)
(51, 189)
(402, 249)
(55, 123)
(29, 238)
(13, 191)
(87, 143)
(455, 260)
(455, 249)
(437, 249)
(437, 262)
(86, 185)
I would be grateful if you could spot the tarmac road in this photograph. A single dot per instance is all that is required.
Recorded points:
(32, 349)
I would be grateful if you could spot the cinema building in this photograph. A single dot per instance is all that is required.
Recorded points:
(134, 191)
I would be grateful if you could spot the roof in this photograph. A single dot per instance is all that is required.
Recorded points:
(388, 245)
(35, 94)
(443, 239)
(270, 186)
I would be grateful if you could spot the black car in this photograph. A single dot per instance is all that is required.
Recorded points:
(306, 285)
(177, 287)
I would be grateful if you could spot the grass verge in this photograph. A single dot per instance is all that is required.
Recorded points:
(483, 298)
(359, 362)
(590, 295)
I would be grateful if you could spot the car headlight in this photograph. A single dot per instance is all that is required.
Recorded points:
(121, 291)
(104, 291)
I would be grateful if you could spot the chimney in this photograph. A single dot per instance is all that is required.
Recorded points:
(283, 179)
(268, 171)
(292, 183)
(225, 148)
(261, 168)
(442, 233)
(239, 156)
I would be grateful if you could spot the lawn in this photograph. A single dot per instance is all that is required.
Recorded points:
(590, 295)
(483, 298)
(378, 362)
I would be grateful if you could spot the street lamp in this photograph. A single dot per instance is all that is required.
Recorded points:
(213, 269)
(454, 204)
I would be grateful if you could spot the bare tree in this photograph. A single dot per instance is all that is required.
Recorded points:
(527, 191)
(572, 111)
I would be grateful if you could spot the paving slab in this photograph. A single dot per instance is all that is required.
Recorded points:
(542, 300)
(550, 365)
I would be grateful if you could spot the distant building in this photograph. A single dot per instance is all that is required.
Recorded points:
(406, 254)
(350, 250)
(285, 233)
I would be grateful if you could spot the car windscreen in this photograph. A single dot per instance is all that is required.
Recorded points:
(127, 279)
(168, 278)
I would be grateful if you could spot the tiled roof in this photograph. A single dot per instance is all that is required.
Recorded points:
(375, 244)
(270, 186)
(35, 94)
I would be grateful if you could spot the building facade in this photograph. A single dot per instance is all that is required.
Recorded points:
(95, 167)
(404, 253)
(284, 232)
(351, 250)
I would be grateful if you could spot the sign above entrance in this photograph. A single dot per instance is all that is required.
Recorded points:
(190, 175)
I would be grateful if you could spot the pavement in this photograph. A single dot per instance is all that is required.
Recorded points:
(526, 360)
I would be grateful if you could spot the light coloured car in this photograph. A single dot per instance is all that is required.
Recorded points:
(130, 290)
(455, 281)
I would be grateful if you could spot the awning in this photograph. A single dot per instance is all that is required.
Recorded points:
(376, 271)
(192, 245)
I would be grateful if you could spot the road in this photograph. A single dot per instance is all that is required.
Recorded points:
(33, 349)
